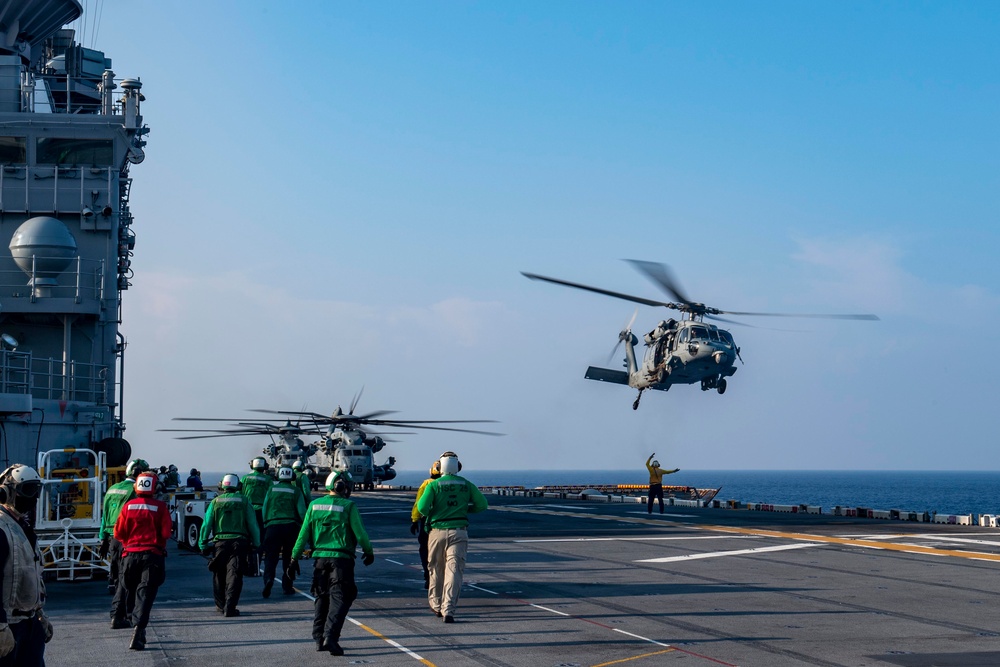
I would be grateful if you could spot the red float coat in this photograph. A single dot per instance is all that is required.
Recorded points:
(144, 525)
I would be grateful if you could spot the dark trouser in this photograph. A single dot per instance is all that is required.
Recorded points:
(335, 591)
(422, 536)
(114, 560)
(29, 644)
(142, 573)
(655, 491)
(278, 542)
(259, 513)
(227, 572)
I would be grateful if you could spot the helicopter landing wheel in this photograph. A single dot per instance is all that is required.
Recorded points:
(721, 388)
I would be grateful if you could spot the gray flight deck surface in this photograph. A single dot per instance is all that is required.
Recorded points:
(564, 583)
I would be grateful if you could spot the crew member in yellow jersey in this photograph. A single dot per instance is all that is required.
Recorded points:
(418, 525)
(656, 474)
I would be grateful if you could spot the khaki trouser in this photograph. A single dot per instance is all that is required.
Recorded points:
(446, 551)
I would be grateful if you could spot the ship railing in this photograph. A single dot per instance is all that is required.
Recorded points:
(47, 378)
(81, 281)
(69, 512)
(78, 178)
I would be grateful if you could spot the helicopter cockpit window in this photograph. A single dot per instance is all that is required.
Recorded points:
(727, 338)
(683, 336)
(714, 335)
(699, 333)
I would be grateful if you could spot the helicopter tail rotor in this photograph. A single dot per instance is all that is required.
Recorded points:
(623, 335)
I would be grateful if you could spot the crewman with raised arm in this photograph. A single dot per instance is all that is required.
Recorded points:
(656, 474)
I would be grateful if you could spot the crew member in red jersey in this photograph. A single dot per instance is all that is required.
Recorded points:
(143, 528)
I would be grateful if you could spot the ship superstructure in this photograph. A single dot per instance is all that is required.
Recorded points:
(69, 133)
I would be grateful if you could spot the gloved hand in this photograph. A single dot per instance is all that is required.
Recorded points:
(6, 640)
(207, 552)
(368, 559)
(414, 527)
(46, 626)
(102, 552)
(294, 569)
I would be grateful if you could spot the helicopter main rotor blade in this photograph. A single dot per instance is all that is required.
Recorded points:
(662, 276)
(357, 397)
(598, 290)
(822, 316)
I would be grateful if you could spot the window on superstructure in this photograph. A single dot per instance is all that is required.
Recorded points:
(13, 150)
(94, 152)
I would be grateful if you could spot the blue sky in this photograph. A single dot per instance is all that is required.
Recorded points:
(340, 195)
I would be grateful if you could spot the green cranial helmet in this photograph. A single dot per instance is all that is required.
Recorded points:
(136, 466)
(341, 482)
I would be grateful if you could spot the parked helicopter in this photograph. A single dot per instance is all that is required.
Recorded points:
(342, 445)
(677, 352)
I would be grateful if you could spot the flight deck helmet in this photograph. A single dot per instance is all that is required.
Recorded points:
(258, 464)
(298, 465)
(436, 469)
(145, 484)
(450, 465)
(285, 474)
(340, 482)
(20, 487)
(230, 483)
(655, 463)
(136, 466)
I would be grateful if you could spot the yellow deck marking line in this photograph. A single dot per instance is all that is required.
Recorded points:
(378, 634)
(644, 655)
(846, 541)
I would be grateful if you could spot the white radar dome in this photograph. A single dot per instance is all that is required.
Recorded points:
(43, 247)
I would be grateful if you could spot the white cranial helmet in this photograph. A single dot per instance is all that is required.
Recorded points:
(285, 474)
(450, 464)
(231, 482)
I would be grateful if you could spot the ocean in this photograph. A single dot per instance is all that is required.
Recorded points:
(948, 492)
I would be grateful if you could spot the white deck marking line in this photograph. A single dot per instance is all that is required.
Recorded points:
(719, 554)
(682, 516)
(943, 538)
(396, 562)
(561, 613)
(645, 639)
(378, 634)
(480, 588)
(643, 539)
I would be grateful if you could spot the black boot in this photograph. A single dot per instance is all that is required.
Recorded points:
(334, 648)
(267, 587)
(138, 639)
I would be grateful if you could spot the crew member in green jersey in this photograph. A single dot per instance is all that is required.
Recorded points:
(333, 530)
(447, 503)
(284, 509)
(116, 496)
(230, 521)
(255, 485)
(303, 478)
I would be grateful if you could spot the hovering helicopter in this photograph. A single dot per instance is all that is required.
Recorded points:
(677, 352)
(342, 443)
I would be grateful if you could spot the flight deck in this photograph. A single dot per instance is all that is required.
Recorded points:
(565, 583)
